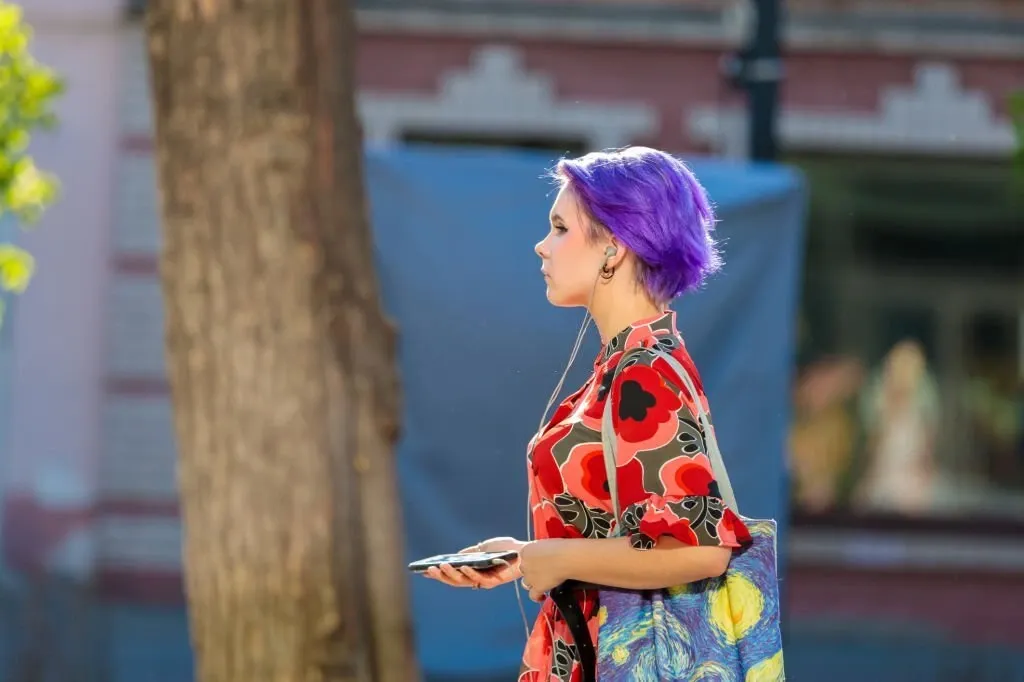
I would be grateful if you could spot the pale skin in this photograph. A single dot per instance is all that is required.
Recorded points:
(571, 263)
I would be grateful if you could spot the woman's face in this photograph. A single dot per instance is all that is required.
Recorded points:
(570, 262)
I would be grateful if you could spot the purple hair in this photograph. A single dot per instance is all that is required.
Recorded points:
(654, 205)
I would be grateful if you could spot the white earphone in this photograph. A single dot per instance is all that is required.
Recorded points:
(608, 254)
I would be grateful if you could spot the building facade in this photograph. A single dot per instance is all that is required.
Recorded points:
(899, 118)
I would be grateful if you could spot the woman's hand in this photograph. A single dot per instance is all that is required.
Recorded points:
(541, 564)
(467, 577)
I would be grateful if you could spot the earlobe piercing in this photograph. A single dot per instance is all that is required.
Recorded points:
(607, 272)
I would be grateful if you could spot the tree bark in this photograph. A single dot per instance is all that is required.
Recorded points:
(280, 361)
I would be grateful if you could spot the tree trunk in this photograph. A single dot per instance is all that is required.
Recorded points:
(280, 361)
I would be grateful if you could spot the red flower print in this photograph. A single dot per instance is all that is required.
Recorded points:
(548, 523)
(585, 475)
(631, 483)
(660, 520)
(545, 468)
(683, 476)
(537, 676)
(732, 531)
(596, 399)
(662, 366)
(538, 649)
(638, 335)
(609, 361)
(644, 404)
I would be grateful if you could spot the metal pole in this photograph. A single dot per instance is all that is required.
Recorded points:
(757, 69)
(764, 71)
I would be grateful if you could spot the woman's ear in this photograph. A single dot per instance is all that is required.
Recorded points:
(614, 254)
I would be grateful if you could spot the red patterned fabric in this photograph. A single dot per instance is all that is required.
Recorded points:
(665, 481)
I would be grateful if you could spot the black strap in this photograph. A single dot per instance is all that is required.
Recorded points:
(564, 597)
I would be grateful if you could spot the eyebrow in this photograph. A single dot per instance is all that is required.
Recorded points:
(554, 217)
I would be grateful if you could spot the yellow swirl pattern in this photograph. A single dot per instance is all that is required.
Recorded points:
(718, 630)
(768, 670)
(736, 609)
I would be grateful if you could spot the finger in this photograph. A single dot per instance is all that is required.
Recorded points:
(455, 576)
(435, 573)
(473, 575)
(444, 578)
(471, 548)
(481, 576)
(537, 595)
(486, 580)
(500, 577)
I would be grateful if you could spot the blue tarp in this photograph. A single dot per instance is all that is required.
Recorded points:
(481, 349)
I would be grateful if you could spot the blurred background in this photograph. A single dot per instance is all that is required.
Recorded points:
(864, 350)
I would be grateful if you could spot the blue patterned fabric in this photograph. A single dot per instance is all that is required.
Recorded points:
(722, 629)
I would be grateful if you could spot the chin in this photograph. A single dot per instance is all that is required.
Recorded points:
(562, 301)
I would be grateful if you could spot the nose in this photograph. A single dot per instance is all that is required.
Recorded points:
(540, 248)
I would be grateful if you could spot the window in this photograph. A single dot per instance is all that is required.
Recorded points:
(909, 396)
(557, 148)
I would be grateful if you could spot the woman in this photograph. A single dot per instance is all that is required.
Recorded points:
(901, 415)
(630, 230)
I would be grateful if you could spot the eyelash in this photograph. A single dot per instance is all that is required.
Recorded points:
(558, 228)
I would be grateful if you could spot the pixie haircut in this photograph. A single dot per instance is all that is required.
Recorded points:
(654, 205)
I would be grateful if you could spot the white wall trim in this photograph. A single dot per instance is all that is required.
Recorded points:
(140, 543)
(904, 551)
(496, 95)
(934, 116)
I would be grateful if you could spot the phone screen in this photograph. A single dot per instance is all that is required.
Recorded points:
(480, 561)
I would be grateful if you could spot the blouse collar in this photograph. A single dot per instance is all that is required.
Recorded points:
(639, 334)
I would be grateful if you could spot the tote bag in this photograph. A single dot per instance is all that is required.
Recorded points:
(723, 629)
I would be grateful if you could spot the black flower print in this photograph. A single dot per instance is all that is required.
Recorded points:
(691, 438)
(565, 656)
(591, 522)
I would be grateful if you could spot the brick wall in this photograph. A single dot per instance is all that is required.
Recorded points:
(140, 533)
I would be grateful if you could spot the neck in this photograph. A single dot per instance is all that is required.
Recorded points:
(614, 311)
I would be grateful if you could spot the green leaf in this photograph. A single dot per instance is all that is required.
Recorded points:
(1016, 109)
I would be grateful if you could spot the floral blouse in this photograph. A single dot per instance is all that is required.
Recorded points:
(665, 482)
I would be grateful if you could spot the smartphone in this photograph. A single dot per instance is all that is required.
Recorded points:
(480, 561)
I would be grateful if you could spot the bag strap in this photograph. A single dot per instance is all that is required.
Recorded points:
(711, 442)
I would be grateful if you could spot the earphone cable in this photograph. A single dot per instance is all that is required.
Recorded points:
(584, 327)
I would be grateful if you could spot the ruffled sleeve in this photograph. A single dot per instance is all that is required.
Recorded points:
(665, 481)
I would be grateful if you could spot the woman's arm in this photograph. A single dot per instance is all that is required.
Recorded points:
(614, 563)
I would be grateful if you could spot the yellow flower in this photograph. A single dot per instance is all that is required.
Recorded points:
(16, 267)
(29, 190)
